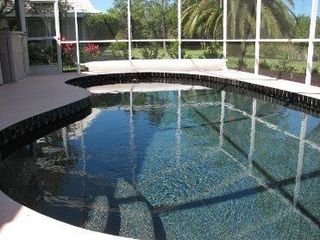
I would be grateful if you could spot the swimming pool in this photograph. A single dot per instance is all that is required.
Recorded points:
(205, 164)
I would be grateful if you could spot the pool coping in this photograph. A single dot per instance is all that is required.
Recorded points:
(27, 220)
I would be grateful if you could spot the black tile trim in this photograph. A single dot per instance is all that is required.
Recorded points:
(30, 129)
(292, 100)
(15, 134)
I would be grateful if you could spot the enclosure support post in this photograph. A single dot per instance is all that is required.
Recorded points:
(22, 18)
(253, 131)
(133, 153)
(312, 34)
(178, 132)
(84, 169)
(179, 29)
(58, 33)
(225, 24)
(65, 141)
(83, 148)
(303, 133)
(23, 26)
(49, 26)
(223, 99)
(129, 30)
(257, 42)
(77, 38)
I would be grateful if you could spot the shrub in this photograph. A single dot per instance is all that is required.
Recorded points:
(92, 49)
(119, 50)
(90, 52)
(315, 71)
(241, 63)
(284, 66)
(213, 50)
(264, 64)
(187, 56)
(42, 54)
(173, 51)
(67, 52)
(150, 52)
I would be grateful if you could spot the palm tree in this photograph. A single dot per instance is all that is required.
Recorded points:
(204, 18)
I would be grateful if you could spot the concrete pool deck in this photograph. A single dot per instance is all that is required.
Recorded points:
(38, 94)
(295, 87)
(20, 222)
(143, 87)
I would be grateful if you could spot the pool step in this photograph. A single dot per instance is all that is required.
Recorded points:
(98, 216)
(136, 219)
(132, 217)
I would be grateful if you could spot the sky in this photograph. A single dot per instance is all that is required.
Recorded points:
(301, 6)
(102, 4)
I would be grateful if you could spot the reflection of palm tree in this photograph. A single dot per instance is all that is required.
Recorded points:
(205, 17)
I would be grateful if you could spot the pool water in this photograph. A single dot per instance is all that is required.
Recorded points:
(206, 164)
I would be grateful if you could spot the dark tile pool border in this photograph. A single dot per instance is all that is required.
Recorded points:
(30, 129)
(34, 127)
(289, 99)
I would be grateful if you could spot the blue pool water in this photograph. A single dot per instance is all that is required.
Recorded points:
(177, 165)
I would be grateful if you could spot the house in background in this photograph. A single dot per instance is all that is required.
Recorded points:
(41, 33)
(40, 17)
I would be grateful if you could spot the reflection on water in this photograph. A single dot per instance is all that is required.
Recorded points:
(186, 164)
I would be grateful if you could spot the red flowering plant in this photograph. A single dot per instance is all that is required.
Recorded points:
(90, 51)
(92, 48)
(67, 52)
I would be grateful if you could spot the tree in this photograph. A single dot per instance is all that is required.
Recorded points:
(153, 19)
(6, 7)
(150, 18)
(301, 29)
(277, 20)
(204, 18)
(105, 25)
